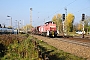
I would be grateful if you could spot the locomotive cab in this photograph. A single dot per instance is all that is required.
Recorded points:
(51, 29)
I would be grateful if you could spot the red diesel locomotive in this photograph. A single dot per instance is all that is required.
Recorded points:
(48, 29)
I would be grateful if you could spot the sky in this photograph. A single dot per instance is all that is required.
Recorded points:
(42, 10)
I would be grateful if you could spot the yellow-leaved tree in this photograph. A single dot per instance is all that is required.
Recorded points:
(57, 20)
(27, 28)
(79, 27)
(69, 22)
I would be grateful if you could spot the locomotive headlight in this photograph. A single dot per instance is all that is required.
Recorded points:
(53, 35)
(52, 32)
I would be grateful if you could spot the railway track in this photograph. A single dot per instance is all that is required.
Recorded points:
(77, 46)
(87, 44)
(78, 40)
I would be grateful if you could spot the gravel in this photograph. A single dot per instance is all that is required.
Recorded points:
(78, 50)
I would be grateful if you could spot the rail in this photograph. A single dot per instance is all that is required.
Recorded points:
(87, 44)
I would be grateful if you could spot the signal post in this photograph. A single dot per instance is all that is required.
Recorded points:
(83, 18)
(63, 18)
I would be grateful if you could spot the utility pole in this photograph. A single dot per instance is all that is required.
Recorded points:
(16, 24)
(18, 27)
(31, 16)
(11, 20)
(23, 25)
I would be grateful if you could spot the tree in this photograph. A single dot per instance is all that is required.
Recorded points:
(86, 23)
(27, 28)
(10, 27)
(57, 20)
(69, 22)
(79, 26)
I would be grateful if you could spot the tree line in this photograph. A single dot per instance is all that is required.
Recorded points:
(69, 23)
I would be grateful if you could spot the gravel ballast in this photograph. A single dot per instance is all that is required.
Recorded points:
(78, 50)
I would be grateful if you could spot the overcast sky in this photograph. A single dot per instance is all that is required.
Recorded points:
(41, 10)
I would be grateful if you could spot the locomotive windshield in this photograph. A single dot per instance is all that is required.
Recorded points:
(49, 22)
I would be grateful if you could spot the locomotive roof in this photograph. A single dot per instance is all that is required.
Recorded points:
(49, 22)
